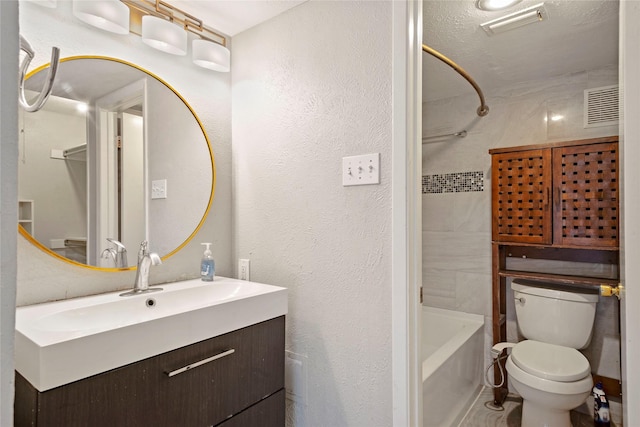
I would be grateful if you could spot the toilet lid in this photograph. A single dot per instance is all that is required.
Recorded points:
(550, 361)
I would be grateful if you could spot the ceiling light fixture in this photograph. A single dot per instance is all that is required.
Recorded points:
(515, 20)
(209, 49)
(109, 15)
(492, 5)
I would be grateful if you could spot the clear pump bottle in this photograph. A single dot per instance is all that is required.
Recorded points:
(207, 266)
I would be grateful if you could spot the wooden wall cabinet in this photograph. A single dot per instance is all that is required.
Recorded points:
(565, 195)
(557, 201)
(245, 388)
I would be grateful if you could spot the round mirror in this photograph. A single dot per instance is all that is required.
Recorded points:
(116, 156)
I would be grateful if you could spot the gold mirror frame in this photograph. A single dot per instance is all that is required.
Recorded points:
(48, 251)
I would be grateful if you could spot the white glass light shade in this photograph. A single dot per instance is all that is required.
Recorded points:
(495, 4)
(211, 55)
(51, 4)
(164, 35)
(108, 15)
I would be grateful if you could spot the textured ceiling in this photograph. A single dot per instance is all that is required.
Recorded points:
(579, 35)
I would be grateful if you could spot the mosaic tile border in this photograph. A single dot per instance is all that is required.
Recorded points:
(457, 182)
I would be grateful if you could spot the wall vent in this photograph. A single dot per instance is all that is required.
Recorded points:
(601, 106)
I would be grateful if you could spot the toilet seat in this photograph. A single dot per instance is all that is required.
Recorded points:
(583, 385)
(550, 361)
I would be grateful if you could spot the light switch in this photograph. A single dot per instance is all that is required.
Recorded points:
(159, 189)
(361, 170)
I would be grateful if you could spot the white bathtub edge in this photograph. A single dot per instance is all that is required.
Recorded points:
(432, 363)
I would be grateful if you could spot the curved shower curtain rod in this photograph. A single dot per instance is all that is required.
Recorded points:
(483, 109)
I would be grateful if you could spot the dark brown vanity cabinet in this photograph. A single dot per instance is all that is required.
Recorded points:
(244, 388)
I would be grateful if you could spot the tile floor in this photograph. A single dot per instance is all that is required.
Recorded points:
(484, 414)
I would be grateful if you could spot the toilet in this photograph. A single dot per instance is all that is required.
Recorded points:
(546, 369)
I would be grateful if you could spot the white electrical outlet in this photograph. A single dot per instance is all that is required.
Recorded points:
(361, 170)
(295, 376)
(243, 269)
(159, 189)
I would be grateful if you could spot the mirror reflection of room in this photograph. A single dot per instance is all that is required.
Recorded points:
(52, 175)
(110, 154)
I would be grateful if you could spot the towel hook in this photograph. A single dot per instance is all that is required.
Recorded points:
(51, 75)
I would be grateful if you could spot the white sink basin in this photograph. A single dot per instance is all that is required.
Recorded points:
(65, 341)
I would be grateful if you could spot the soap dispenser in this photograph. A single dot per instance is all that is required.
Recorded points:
(207, 266)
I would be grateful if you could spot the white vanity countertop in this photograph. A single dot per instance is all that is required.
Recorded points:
(65, 341)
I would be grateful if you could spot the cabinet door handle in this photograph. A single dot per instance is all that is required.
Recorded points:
(200, 363)
(547, 198)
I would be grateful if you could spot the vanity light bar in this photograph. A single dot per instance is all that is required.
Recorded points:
(165, 10)
(153, 19)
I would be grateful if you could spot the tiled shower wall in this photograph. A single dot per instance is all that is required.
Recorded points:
(457, 224)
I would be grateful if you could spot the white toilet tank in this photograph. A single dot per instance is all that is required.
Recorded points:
(553, 316)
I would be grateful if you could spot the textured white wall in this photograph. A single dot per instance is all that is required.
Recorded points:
(41, 277)
(8, 201)
(309, 87)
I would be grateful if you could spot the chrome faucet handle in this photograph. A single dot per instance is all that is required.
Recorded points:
(119, 246)
(119, 253)
(144, 248)
(155, 258)
(109, 252)
(145, 260)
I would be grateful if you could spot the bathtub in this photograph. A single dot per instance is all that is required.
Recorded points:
(452, 359)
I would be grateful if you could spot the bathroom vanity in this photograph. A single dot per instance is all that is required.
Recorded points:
(234, 378)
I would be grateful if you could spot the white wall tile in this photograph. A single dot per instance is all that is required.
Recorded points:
(438, 212)
(472, 211)
(473, 292)
(457, 251)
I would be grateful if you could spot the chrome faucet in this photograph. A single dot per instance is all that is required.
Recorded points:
(117, 254)
(145, 260)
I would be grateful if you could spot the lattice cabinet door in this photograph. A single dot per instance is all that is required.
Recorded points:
(521, 193)
(586, 195)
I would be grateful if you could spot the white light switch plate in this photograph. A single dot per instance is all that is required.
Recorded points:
(159, 189)
(361, 170)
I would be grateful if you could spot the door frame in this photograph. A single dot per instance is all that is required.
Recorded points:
(407, 213)
(630, 202)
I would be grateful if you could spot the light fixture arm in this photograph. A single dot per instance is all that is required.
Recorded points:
(48, 85)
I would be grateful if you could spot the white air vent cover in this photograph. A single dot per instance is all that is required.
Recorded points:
(601, 106)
